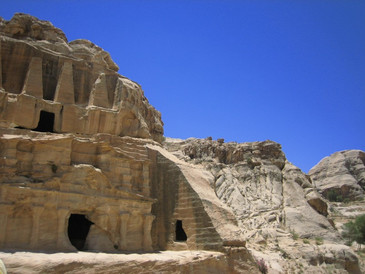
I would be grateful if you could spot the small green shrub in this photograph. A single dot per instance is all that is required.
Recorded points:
(355, 231)
(334, 196)
(319, 240)
(294, 235)
(306, 241)
(284, 253)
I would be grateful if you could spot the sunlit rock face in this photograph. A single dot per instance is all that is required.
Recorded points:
(341, 175)
(73, 87)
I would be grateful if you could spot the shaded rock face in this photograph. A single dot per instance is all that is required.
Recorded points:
(76, 82)
(340, 175)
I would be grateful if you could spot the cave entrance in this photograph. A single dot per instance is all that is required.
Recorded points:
(78, 228)
(180, 235)
(46, 122)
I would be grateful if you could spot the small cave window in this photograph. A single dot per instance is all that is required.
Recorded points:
(180, 235)
(78, 228)
(46, 122)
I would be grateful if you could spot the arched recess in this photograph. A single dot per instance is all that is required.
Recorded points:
(180, 235)
(78, 229)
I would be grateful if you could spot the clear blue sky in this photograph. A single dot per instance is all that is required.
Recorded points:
(289, 71)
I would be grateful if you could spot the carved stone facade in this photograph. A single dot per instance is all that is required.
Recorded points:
(81, 166)
(45, 181)
(76, 83)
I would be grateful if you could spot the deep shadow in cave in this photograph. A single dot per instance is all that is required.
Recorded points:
(180, 235)
(46, 122)
(78, 228)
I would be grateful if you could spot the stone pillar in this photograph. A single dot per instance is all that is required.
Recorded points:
(147, 225)
(99, 93)
(65, 92)
(62, 242)
(1, 70)
(37, 211)
(146, 180)
(118, 94)
(4, 211)
(124, 218)
(33, 84)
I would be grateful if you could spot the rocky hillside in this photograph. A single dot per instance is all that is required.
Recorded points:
(285, 220)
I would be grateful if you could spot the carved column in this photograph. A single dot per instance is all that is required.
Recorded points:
(65, 85)
(62, 243)
(118, 94)
(37, 211)
(99, 93)
(147, 225)
(1, 71)
(33, 84)
(4, 211)
(146, 180)
(124, 218)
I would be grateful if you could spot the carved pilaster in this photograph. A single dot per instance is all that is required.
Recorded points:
(124, 218)
(1, 69)
(62, 242)
(118, 94)
(33, 84)
(99, 93)
(146, 180)
(4, 211)
(37, 211)
(147, 225)
(65, 92)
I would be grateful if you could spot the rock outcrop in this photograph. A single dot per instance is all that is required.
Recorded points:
(285, 221)
(264, 190)
(341, 175)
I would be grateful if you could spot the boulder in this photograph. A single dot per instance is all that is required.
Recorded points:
(340, 176)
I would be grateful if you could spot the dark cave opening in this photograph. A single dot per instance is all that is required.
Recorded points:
(46, 122)
(180, 235)
(78, 228)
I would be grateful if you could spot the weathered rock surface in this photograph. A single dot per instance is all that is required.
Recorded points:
(73, 86)
(162, 262)
(342, 174)
(263, 189)
(284, 219)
